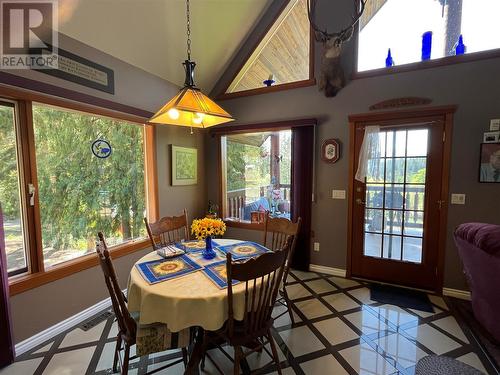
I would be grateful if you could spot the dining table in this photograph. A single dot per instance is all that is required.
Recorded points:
(193, 299)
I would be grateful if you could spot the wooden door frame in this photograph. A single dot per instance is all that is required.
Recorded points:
(447, 113)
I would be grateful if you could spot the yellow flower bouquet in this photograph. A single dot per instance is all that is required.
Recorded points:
(207, 227)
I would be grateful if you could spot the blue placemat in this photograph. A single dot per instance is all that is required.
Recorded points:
(245, 249)
(155, 271)
(217, 272)
(194, 245)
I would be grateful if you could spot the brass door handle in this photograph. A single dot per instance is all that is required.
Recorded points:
(360, 202)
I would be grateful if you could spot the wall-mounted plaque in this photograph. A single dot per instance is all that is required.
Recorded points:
(400, 102)
(79, 70)
(330, 151)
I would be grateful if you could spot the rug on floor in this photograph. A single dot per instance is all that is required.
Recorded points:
(407, 298)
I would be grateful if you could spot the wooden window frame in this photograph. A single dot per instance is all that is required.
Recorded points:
(311, 81)
(219, 131)
(418, 65)
(37, 274)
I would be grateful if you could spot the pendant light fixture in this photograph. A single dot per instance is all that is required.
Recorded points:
(190, 107)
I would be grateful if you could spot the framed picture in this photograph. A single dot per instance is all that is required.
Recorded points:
(184, 165)
(330, 151)
(489, 168)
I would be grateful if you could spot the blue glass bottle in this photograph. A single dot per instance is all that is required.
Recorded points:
(426, 45)
(460, 48)
(389, 61)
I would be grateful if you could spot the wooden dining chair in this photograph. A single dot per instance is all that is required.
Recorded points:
(261, 278)
(127, 325)
(168, 230)
(276, 231)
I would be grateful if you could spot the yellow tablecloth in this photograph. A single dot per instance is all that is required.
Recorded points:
(186, 301)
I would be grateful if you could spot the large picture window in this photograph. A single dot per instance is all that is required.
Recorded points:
(67, 172)
(81, 194)
(399, 25)
(257, 168)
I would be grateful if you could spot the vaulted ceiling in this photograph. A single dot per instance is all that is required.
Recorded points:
(151, 34)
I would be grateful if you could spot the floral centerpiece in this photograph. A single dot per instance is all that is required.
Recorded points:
(206, 228)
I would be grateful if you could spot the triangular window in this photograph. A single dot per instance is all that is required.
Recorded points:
(283, 54)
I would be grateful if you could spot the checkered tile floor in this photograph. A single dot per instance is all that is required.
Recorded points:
(338, 330)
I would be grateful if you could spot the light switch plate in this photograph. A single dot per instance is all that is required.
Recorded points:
(458, 199)
(316, 246)
(495, 125)
(338, 194)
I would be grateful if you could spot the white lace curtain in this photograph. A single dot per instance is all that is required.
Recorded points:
(368, 164)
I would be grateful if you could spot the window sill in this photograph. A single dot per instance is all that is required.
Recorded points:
(443, 61)
(22, 283)
(265, 90)
(244, 224)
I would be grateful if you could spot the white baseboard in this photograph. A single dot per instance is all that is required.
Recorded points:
(328, 270)
(462, 294)
(60, 327)
(456, 293)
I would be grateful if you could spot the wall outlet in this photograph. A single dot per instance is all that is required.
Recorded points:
(458, 199)
(495, 125)
(338, 194)
(316, 246)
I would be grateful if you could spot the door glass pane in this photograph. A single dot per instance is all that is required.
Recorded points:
(395, 200)
(414, 197)
(372, 245)
(375, 171)
(374, 195)
(81, 193)
(392, 247)
(412, 249)
(416, 170)
(394, 196)
(414, 223)
(417, 142)
(374, 220)
(393, 221)
(10, 193)
(395, 170)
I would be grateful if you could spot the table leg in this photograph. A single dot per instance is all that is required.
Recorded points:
(193, 367)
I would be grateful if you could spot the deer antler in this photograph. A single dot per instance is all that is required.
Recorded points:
(343, 35)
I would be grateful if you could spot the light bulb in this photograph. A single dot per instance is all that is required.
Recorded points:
(173, 113)
(197, 118)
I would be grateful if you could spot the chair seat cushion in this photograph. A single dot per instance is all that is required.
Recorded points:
(484, 236)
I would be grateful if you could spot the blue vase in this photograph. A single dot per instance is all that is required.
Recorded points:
(460, 48)
(209, 252)
(389, 61)
(426, 45)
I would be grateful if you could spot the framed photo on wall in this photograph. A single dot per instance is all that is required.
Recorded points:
(184, 165)
(489, 168)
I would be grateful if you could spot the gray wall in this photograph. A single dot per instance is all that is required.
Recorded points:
(474, 87)
(42, 307)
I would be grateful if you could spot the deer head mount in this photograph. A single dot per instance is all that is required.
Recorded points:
(332, 78)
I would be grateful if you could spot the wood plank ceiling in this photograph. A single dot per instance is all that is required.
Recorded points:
(283, 52)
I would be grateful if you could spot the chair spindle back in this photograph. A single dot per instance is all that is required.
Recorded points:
(168, 230)
(276, 232)
(262, 278)
(126, 323)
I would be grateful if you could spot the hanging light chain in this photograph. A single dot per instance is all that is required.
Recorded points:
(188, 31)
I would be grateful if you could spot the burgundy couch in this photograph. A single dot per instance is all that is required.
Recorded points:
(479, 248)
